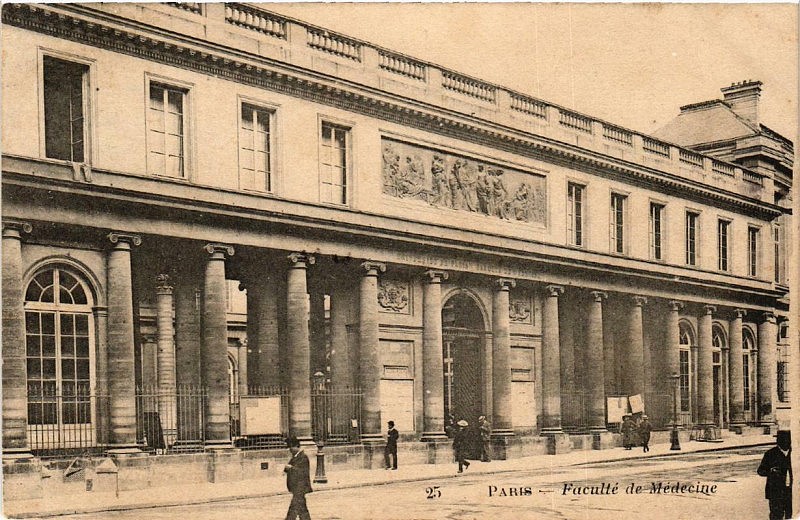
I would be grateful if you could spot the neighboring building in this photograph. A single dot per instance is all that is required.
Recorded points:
(413, 242)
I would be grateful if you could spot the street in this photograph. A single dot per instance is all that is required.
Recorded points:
(715, 485)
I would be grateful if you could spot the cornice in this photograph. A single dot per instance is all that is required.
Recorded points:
(146, 42)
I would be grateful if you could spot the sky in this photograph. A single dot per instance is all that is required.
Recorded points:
(630, 64)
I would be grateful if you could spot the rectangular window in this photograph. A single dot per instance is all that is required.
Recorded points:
(776, 238)
(575, 198)
(722, 244)
(684, 380)
(746, 380)
(255, 148)
(334, 163)
(166, 131)
(656, 231)
(752, 251)
(691, 237)
(65, 108)
(618, 223)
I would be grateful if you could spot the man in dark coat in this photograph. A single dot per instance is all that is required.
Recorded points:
(486, 438)
(390, 451)
(298, 481)
(644, 430)
(460, 445)
(776, 465)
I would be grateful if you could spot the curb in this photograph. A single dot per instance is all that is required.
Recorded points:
(213, 500)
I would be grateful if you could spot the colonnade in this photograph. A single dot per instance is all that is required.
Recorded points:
(200, 346)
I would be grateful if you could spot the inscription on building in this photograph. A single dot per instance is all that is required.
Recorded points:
(452, 181)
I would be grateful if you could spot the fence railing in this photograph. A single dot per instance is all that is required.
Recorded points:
(172, 420)
(336, 415)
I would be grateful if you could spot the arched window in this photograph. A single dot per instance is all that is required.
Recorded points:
(686, 336)
(59, 340)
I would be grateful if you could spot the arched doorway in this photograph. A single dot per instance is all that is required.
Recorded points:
(463, 333)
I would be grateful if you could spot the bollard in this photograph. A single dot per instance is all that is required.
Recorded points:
(319, 476)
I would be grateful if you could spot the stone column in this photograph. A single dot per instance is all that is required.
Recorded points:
(342, 372)
(269, 359)
(121, 377)
(569, 391)
(501, 360)
(214, 353)
(609, 361)
(241, 356)
(298, 347)
(370, 375)
(101, 373)
(767, 353)
(187, 354)
(594, 363)
(673, 353)
(635, 371)
(252, 286)
(432, 359)
(705, 367)
(15, 392)
(736, 371)
(165, 355)
(551, 370)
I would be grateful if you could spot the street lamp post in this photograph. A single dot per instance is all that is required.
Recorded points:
(675, 443)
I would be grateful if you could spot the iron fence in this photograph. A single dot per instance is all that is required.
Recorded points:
(66, 420)
(170, 420)
(336, 415)
(574, 415)
(248, 437)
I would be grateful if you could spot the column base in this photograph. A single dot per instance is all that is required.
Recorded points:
(124, 450)
(218, 446)
(737, 427)
(502, 433)
(602, 439)
(433, 437)
(12, 455)
(372, 438)
(557, 441)
(307, 441)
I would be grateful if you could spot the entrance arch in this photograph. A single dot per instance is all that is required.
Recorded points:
(463, 335)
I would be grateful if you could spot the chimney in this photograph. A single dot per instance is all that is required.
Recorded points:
(743, 99)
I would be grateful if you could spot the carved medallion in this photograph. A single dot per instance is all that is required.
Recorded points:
(519, 310)
(393, 296)
(451, 181)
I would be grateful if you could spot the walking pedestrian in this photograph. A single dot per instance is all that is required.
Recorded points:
(298, 481)
(628, 430)
(460, 445)
(485, 428)
(776, 465)
(390, 452)
(644, 430)
(450, 426)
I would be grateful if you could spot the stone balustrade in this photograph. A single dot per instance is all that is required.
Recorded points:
(307, 46)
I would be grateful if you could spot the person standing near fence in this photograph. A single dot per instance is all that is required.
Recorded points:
(298, 481)
(390, 451)
(485, 428)
(644, 433)
(460, 445)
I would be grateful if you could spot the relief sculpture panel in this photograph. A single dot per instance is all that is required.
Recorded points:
(452, 181)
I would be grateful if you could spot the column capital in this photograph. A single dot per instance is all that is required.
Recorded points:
(769, 317)
(709, 309)
(219, 250)
(373, 268)
(639, 300)
(675, 305)
(14, 228)
(599, 296)
(301, 258)
(554, 290)
(121, 240)
(436, 276)
(504, 284)
(162, 284)
(739, 313)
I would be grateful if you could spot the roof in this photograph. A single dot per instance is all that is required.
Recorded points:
(706, 122)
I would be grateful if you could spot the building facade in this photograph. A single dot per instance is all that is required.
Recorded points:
(201, 202)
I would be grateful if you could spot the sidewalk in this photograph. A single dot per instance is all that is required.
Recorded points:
(205, 493)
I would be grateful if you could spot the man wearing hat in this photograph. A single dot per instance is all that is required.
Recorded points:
(644, 430)
(628, 430)
(776, 465)
(486, 438)
(298, 481)
(460, 445)
(390, 452)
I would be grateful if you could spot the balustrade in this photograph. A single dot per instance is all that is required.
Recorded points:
(243, 16)
(722, 168)
(655, 147)
(576, 121)
(529, 106)
(192, 7)
(334, 44)
(617, 134)
(690, 158)
(468, 86)
(402, 65)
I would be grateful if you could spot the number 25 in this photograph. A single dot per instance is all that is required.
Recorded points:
(433, 492)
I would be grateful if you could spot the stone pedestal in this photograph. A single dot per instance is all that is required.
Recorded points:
(602, 440)
(22, 479)
(557, 443)
(440, 451)
(500, 446)
(373, 455)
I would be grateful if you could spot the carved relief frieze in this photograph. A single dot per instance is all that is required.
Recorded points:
(394, 296)
(447, 180)
(520, 310)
